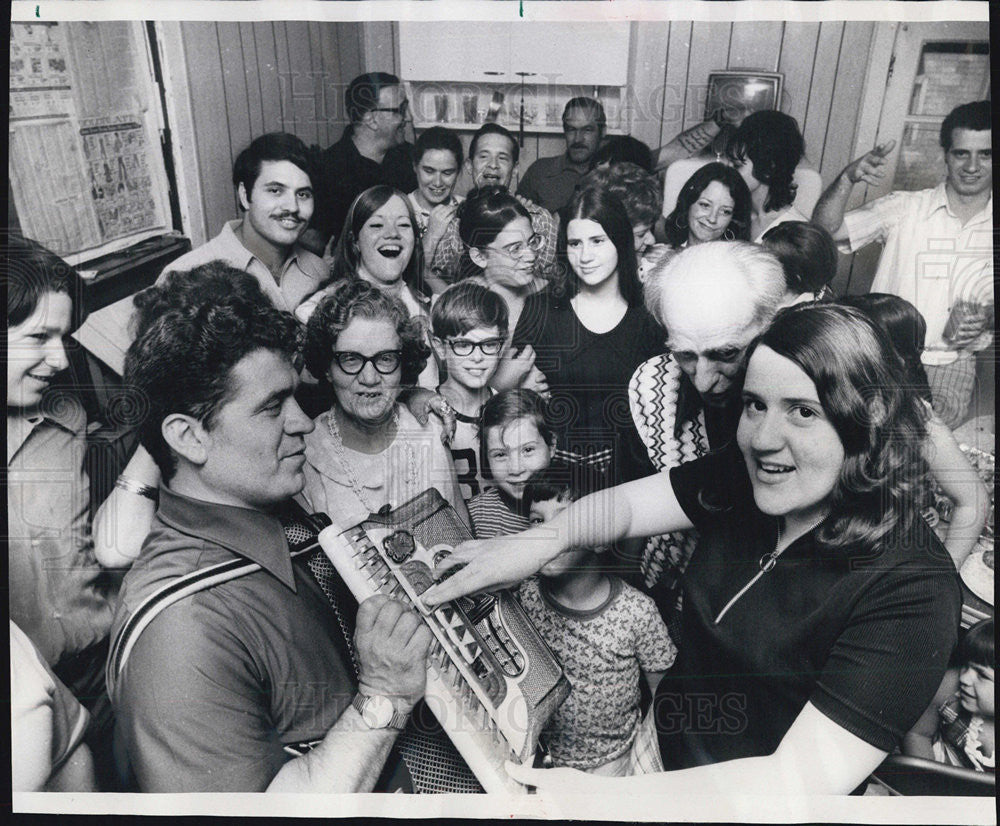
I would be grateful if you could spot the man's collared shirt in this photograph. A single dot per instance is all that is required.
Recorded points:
(220, 682)
(301, 274)
(448, 255)
(344, 173)
(929, 258)
(59, 595)
(550, 182)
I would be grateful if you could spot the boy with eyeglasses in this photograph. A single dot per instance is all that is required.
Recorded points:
(469, 325)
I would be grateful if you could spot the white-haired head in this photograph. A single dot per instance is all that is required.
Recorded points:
(714, 299)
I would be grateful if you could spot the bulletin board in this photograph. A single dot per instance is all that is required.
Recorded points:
(86, 167)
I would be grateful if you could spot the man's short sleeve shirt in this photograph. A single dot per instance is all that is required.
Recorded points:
(220, 683)
(929, 257)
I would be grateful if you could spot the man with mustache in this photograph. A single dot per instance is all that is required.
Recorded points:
(253, 682)
(273, 179)
(937, 249)
(550, 182)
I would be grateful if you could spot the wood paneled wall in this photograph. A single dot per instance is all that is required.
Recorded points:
(824, 67)
(249, 78)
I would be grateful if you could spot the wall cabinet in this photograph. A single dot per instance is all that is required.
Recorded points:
(463, 73)
(578, 54)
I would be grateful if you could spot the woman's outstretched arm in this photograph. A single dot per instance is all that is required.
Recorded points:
(645, 507)
(817, 756)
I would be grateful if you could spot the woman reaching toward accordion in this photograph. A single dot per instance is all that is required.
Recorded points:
(820, 610)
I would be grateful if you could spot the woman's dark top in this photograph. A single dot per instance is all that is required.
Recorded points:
(864, 636)
(588, 375)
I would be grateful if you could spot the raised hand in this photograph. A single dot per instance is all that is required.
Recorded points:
(870, 167)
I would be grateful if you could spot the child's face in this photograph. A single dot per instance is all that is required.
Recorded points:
(568, 561)
(516, 450)
(481, 347)
(547, 509)
(976, 689)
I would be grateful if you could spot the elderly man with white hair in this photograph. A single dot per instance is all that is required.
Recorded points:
(713, 299)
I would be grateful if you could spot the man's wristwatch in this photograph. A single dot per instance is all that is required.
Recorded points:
(378, 712)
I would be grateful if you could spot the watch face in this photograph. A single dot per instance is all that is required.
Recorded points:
(378, 711)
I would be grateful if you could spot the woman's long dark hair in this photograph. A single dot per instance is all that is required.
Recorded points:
(677, 221)
(482, 216)
(879, 418)
(347, 255)
(906, 328)
(773, 142)
(597, 204)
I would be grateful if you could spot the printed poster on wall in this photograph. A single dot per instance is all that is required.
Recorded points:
(121, 185)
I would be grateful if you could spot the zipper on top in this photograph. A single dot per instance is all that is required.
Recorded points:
(766, 563)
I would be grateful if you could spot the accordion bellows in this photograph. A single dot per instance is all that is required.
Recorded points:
(492, 682)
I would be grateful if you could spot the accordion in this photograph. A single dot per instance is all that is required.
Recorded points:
(492, 682)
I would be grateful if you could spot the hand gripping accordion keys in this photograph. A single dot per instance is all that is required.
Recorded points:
(492, 682)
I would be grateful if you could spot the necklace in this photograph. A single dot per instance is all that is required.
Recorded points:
(337, 443)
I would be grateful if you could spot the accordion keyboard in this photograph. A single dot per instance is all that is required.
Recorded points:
(491, 681)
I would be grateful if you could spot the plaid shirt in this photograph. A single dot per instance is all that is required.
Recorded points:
(448, 254)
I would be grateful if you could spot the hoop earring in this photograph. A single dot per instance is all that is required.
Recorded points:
(729, 235)
(678, 224)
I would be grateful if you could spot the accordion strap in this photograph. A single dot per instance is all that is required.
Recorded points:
(169, 594)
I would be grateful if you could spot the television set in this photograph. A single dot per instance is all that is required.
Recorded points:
(737, 94)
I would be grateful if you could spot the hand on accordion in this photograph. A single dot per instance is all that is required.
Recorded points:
(392, 642)
(489, 564)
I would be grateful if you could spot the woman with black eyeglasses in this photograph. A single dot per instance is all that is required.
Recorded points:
(590, 331)
(367, 451)
(501, 249)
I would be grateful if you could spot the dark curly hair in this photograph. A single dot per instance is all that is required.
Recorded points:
(29, 272)
(773, 142)
(196, 327)
(176, 292)
(347, 255)
(638, 190)
(359, 299)
(877, 415)
(676, 224)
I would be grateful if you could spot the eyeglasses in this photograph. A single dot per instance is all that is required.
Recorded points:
(464, 347)
(399, 110)
(534, 243)
(385, 361)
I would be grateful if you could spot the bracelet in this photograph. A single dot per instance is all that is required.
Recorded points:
(138, 488)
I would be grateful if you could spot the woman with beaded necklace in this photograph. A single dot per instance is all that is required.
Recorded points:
(367, 450)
